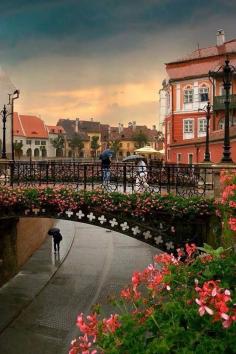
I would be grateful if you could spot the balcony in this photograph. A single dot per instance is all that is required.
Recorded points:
(218, 102)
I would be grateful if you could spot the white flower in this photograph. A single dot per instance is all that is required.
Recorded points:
(147, 235)
(102, 219)
(135, 230)
(91, 217)
(113, 222)
(80, 214)
(124, 226)
(69, 213)
(169, 245)
(158, 240)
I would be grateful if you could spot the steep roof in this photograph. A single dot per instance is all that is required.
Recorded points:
(17, 126)
(201, 61)
(68, 125)
(55, 129)
(226, 48)
(29, 126)
(89, 126)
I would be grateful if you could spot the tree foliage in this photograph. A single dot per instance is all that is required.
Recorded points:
(94, 145)
(76, 144)
(141, 139)
(18, 149)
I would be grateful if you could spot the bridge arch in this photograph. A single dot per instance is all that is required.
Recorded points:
(150, 218)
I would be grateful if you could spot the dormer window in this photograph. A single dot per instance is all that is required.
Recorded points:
(188, 95)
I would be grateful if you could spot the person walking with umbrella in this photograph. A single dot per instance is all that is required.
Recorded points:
(105, 158)
(57, 237)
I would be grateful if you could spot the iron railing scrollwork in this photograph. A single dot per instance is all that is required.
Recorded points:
(185, 180)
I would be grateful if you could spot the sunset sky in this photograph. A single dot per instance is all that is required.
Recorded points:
(102, 58)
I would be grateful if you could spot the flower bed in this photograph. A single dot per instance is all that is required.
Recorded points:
(139, 205)
(179, 304)
(184, 306)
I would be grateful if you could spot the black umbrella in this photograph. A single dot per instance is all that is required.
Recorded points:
(106, 154)
(53, 231)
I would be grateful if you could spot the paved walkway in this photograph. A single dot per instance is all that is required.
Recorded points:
(39, 306)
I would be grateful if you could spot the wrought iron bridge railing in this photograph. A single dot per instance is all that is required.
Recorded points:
(185, 180)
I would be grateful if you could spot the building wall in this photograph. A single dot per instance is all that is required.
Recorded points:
(198, 152)
(31, 232)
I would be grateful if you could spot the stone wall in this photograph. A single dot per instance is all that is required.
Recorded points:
(31, 232)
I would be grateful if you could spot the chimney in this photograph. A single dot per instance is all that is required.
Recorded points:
(120, 127)
(77, 125)
(154, 127)
(91, 119)
(220, 37)
(134, 125)
(130, 125)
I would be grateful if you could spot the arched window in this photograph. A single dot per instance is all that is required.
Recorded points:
(188, 94)
(203, 93)
(36, 152)
(29, 152)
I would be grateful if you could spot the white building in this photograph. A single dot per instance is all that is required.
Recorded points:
(35, 136)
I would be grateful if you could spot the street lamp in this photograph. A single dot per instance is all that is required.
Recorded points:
(12, 98)
(207, 110)
(228, 71)
(4, 119)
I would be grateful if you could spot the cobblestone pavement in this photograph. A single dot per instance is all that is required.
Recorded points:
(98, 263)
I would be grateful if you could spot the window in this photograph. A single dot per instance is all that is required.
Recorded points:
(128, 145)
(43, 142)
(221, 124)
(188, 126)
(37, 142)
(203, 94)
(202, 123)
(190, 159)
(188, 95)
(179, 158)
(28, 142)
(168, 154)
(168, 127)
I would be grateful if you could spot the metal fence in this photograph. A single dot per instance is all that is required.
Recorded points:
(185, 180)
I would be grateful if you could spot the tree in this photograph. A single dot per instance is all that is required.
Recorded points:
(141, 139)
(76, 144)
(94, 145)
(115, 146)
(58, 144)
(18, 149)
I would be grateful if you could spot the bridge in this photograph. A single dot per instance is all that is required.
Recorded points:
(149, 217)
(184, 180)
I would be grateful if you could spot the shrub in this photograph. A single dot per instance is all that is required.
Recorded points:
(185, 306)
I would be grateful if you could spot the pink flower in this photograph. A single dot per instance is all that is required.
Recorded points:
(111, 324)
(232, 224)
(203, 308)
(190, 249)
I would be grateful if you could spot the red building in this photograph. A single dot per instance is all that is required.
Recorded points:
(186, 91)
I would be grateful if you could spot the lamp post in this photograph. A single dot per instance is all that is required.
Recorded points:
(4, 119)
(207, 110)
(228, 71)
(12, 97)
